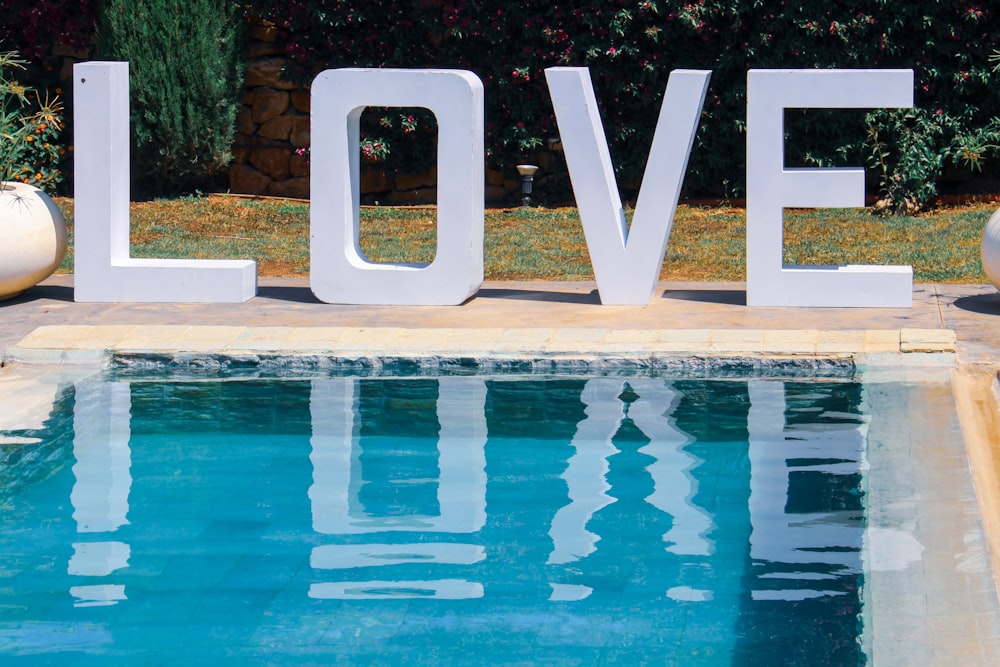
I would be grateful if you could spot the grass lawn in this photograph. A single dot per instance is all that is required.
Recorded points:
(706, 244)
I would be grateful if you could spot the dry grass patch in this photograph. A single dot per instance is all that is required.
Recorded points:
(706, 244)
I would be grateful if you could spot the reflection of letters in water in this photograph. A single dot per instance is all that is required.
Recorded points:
(338, 480)
(623, 455)
(101, 422)
(781, 533)
(786, 534)
(586, 473)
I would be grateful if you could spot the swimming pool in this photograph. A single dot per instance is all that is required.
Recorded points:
(484, 519)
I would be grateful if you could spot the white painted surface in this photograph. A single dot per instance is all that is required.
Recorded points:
(340, 273)
(990, 249)
(626, 259)
(34, 237)
(771, 188)
(104, 270)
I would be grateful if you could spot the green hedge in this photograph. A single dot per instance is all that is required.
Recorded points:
(630, 47)
(185, 69)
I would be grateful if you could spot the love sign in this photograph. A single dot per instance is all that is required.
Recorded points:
(626, 258)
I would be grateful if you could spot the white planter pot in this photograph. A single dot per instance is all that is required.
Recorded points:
(991, 249)
(32, 238)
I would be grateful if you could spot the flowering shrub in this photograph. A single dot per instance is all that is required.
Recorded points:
(29, 131)
(631, 45)
(33, 27)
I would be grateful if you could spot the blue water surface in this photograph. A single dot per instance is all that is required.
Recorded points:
(472, 520)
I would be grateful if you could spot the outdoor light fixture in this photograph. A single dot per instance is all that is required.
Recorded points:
(527, 172)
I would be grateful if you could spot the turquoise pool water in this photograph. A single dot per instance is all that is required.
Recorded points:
(437, 520)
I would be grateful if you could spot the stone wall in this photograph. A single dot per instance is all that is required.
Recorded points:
(269, 153)
(272, 127)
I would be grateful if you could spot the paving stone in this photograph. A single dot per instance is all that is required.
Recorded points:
(840, 342)
(927, 340)
(790, 342)
(737, 341)
(877, 340)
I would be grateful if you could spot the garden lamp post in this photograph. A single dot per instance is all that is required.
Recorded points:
(527, 172)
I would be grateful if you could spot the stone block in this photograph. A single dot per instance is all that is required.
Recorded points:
(267, 72)
(66, 72)
(278, 128)
(299, 135)
(426, 179)
(293, 187)
(69, 51)
(549, 161)
(262, 49)
(273, 161)
(264, 31)
(298, 165)
(495, 194)
(374, 180)
(245, 180)
(241, 154)
(494, 177)
(268, 103)
(301, 100)
(420, 197)
(244, 121)
(258, 141)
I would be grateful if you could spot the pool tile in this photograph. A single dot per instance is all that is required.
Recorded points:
(152, 338)
(840, 342)
(420, 341)
(36, 355)
(575, 340)
(737, 341)
(368, 340)
(877, 340)
(692, 341)
(207, 338)
(260, 339)
(312, 339)
(54, 336)
(927, 340)
(102, 337)
(790, 342)
(84, 357)
(523, 341)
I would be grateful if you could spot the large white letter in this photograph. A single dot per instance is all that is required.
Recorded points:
(627, 260)
(340, 273)
(103, 270)
(771, 188)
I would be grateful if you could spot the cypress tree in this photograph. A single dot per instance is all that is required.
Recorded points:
(186, 68)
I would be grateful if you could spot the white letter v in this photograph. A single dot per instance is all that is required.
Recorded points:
(626, 260)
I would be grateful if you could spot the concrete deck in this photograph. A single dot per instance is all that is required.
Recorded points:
(527, 318)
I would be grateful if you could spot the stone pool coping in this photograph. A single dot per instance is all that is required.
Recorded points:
(98, 344)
